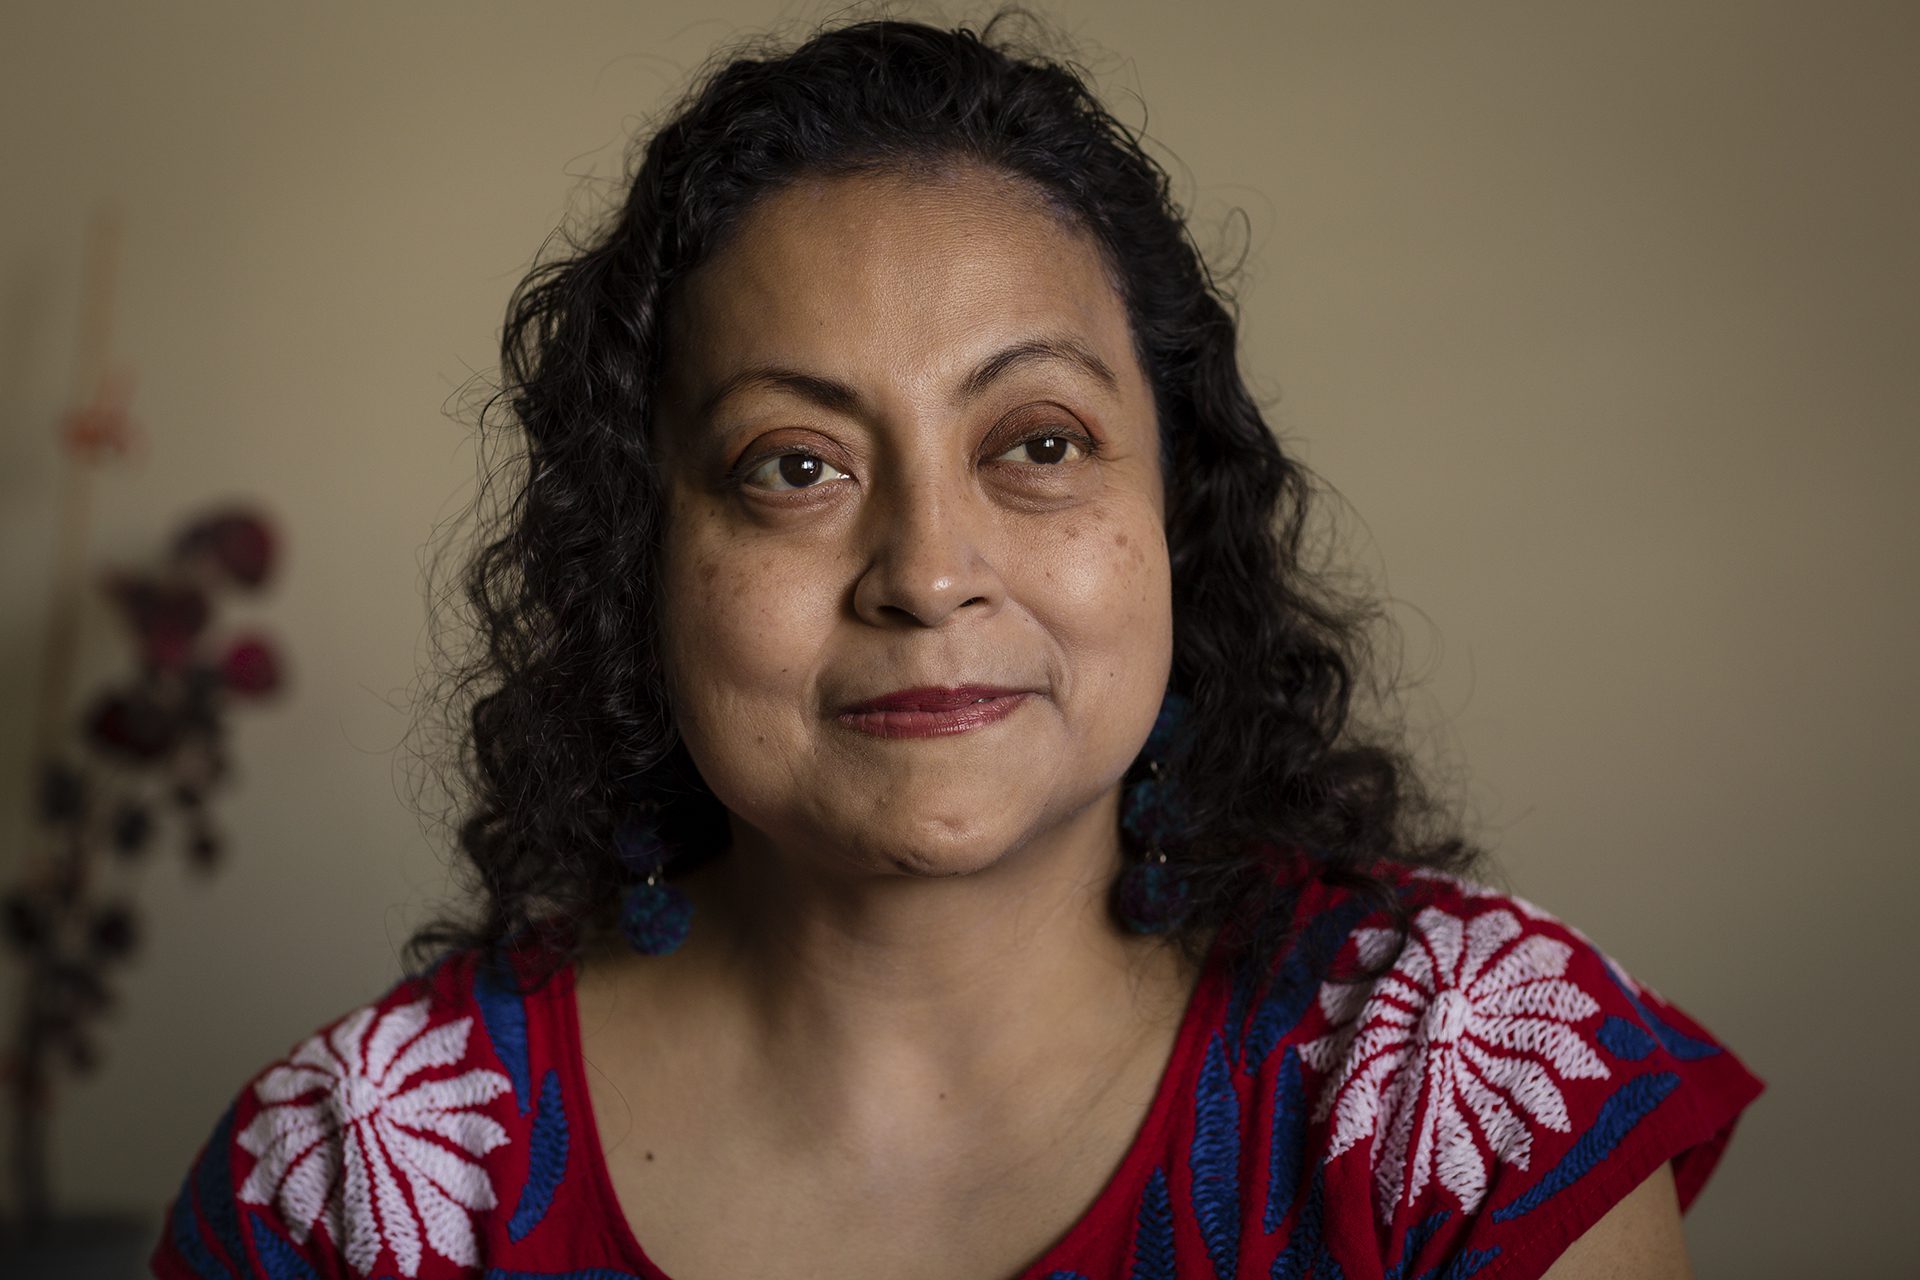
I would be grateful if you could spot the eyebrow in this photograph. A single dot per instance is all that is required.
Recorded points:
(841, 398)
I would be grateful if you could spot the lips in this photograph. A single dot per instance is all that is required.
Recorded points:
(932, 699)
(933, 712)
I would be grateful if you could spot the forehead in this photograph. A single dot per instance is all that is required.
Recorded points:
(905, 279)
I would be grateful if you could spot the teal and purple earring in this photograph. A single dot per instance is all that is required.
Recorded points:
(654, 916)
(1152, 896)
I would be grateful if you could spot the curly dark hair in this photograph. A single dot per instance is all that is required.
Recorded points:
(568, 721)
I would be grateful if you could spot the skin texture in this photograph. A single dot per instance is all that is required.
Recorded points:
(905, 1036)
(1639, 1238)
(932, 551)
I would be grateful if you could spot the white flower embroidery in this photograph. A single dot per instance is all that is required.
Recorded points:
(339, 1127)
(1444, 1061)
(1527, 909)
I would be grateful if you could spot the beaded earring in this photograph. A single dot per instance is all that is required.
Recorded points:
(1151, 896)
(654, 916)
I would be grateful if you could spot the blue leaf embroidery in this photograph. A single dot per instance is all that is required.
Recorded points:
(1153, 1232)
(213, 1180)
(1458, 1267)
(184, 1231)
(1214, 1159)
(210, 1184)
(1623, 1039)
(1289, 1137)
(505, 1016)
(1416, 1240)
(1626, 1108)
(282, 1260)
(1676, 1042)
(1306, 1253)
(1299, 978)
(546, 1160)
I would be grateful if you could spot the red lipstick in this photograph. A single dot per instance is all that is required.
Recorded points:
(930, 712)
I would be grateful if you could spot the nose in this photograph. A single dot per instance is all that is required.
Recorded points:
(928, 560)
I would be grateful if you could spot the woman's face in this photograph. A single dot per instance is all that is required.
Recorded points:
(908, 446)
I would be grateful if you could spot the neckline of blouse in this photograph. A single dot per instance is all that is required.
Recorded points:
(1124, 1185)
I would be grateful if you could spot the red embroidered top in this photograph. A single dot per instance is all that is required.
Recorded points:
(1470, 1113)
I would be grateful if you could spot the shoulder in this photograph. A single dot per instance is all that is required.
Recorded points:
(1499, 1086)
(388, 1138)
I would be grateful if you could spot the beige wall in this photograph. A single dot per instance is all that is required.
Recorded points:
(1601, 316)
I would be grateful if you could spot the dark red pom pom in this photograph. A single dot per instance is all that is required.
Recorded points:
(237, 543)
(250, 667)
(1151, 897)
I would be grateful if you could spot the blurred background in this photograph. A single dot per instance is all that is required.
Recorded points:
(1601, 319)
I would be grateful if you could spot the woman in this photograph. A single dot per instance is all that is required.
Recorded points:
(918, 824)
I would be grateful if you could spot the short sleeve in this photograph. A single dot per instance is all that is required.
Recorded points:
(1504, 1086)
(368, 1146)
(219, 1226)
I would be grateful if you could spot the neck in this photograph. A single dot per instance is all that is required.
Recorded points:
(889, 985)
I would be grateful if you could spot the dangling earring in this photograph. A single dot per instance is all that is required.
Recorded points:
(654, 916)
(1151, 896)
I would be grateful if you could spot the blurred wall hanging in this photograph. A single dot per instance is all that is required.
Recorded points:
(123, 772)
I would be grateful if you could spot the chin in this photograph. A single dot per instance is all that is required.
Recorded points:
(921, 865)
(936, 850)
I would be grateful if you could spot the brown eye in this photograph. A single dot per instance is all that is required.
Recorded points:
(788, 471)
(1046, 450)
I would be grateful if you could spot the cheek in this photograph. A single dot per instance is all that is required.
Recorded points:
(1106, 592)
(740, 626)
